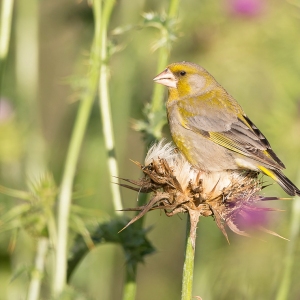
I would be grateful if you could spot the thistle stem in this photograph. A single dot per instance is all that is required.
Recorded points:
(5, 29)
(104, 102)
(163, 56)
(64, 199)
(129, 291)
(173, 8)
(188, 267)
(37, 273)
(27, 83)
(284, 287)
(130, 283)
(158, 90)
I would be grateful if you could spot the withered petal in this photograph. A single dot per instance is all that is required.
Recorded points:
(249, 208)
(261, 228)
(147, 207)
(235, 229)
(219, 223)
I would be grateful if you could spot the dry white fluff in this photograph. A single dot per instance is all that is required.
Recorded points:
(217, 181)
(184, 172)
(162, 149)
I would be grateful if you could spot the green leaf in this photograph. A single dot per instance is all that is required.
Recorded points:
(16, 193)
(133, 241)
(15, 212)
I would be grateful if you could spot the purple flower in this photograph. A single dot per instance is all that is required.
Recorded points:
(249, 8)
(254, 217)
(6, 110)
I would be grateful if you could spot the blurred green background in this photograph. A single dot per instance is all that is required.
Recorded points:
(252, 47)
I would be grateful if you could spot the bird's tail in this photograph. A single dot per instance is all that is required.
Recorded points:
(282, 180)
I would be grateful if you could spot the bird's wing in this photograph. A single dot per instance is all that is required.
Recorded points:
(236, 133)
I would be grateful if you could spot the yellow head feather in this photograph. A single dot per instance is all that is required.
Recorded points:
(191, 79)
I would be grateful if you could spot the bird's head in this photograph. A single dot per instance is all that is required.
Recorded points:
(185, 78)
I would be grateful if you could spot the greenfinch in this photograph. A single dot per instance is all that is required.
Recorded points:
(211, 129)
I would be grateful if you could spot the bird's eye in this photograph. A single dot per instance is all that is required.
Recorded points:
(182, 73)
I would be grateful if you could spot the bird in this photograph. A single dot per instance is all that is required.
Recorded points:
(210, 128)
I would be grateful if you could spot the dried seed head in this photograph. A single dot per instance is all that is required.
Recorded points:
(179, 187)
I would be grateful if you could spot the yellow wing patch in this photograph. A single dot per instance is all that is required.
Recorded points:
(268, 172)
(220, 139)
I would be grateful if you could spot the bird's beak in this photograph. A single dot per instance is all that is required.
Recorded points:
(166, 78)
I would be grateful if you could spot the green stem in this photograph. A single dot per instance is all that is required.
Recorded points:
(64, 199)
(129, 291)
(285, 284)
(130, 288)
(5, 29)
(188, 267)
(158, 91)
(173, 8)
(157, 99)
(27, 41)
(104, 102)
(163, 56)
(37, 273)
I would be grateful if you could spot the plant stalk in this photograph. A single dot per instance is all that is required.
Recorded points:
(27, 78)
(64, 199)
(163, 56)
(5, 30)
(285, 283)
(130, 283)
(37, 273)
(188, 267)
(104, 103)
(130, 288)
(173, 8)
